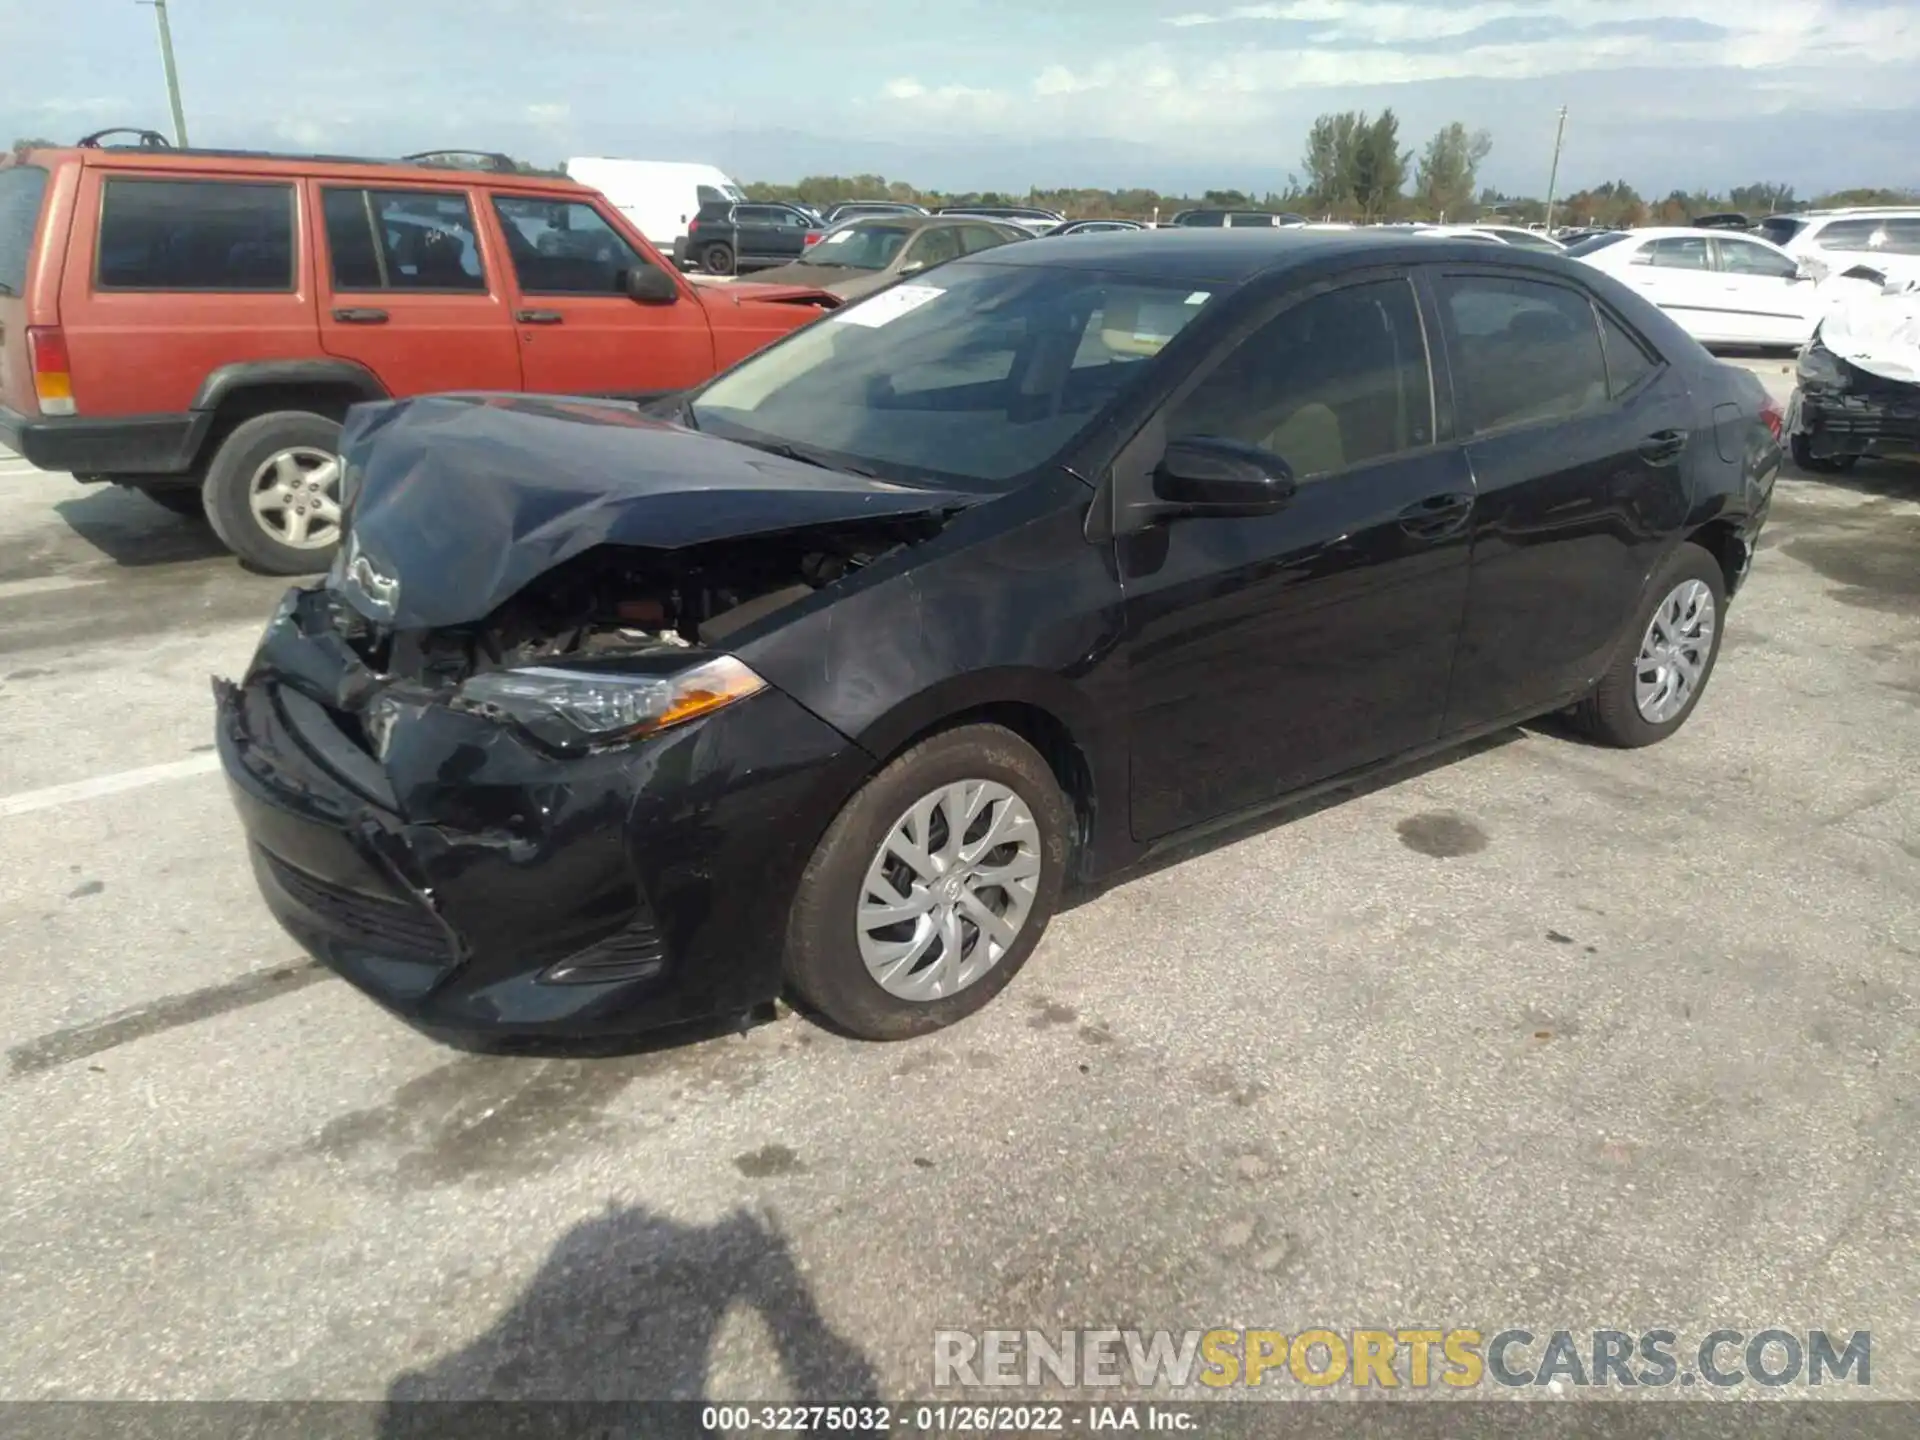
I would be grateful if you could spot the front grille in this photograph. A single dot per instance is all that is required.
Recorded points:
(393, 927)
(634, 953)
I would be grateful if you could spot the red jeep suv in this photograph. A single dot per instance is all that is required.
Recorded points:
(195, 323)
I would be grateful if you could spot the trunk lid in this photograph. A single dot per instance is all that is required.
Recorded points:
(459, 501)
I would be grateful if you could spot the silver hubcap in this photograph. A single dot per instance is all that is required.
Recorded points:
(946, 896)
(296, 498)
(1673, 656)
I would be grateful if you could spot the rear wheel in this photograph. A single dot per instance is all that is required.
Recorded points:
(1666, 657)
(932, 886)
(717, 259)
(273, 492)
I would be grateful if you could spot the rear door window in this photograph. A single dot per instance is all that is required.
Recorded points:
(22, 189)
(1529, 351)
(1677, 252)
(402, 240)
(195, 235)
(1847, 235)
(1898, 237)
(1629, 363)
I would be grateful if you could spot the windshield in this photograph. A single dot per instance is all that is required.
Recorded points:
(1598, 242)
(984, 376)
(1779, 228)
(859, 247)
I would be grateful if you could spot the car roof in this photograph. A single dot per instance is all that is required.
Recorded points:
(186, 162)
(1230, 256)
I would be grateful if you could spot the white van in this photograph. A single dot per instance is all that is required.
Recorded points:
(1830, 242)
(659, 196)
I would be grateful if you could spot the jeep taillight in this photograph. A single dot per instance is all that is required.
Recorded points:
(693, 227)
(52, 373)
(813, 236)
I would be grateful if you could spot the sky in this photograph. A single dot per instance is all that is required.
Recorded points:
(1177, 95)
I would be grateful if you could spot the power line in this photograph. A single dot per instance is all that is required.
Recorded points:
(173, 76)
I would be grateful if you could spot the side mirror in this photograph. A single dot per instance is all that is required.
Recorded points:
(651, 286)
(1210, 475)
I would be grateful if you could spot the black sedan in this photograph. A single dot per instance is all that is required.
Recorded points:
(831, 677)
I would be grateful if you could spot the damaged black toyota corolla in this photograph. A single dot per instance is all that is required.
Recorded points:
(828, 678)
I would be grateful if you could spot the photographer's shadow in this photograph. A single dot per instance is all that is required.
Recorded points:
(627, 1308)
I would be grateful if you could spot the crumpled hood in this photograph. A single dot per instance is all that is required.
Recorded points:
(1879, 332)
(458, 501)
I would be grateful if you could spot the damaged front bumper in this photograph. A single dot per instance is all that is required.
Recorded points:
(1840, 411)
(472, 881)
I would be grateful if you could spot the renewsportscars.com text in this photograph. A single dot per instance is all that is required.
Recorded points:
(1400, 1358)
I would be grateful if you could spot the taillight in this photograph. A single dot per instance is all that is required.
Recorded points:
(693, 227)
(52, 372)
(813, 236)
(1774, 416)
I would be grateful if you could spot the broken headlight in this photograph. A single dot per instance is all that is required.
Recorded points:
(575, 708)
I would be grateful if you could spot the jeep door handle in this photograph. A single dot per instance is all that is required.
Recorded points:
(538, 317)
(353, 316)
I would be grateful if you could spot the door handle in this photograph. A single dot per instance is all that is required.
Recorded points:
(1663, 447)
(351, 315)
(538, 317)
(1437, 516)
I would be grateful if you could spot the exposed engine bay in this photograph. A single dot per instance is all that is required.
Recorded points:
(618, 600)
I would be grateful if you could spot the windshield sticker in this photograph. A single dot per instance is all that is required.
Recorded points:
(839, 237)
(888, 305)
(1199, 297)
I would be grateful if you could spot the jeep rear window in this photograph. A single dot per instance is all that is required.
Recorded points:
(22, 188)
(195, 235)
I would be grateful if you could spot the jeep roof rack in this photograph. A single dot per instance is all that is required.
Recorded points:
(465, 160)
(145, 139)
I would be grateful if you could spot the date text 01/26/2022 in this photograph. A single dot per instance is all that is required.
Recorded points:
(937, 1419)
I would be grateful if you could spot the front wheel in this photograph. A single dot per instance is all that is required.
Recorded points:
(932, 886)
(1665, 658)
(273, 492)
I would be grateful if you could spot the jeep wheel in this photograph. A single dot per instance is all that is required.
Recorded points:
(717, 259)
(273, 492)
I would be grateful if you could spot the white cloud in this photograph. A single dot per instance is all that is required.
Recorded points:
(1836, 53)
(549, 113)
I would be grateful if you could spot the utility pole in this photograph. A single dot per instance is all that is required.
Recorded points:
(173, 76)
(1553, 176)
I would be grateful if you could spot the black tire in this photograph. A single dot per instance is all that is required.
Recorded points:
(1611, 714)
(182, 500)
(824, 968)
(1801, 448)
(229, 477)
(717, 259)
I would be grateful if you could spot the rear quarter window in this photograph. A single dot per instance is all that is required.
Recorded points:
(195, 235)
(22, 190)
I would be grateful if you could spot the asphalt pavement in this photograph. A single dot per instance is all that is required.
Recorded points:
(1542, 1035)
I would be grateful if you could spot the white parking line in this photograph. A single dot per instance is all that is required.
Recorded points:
(42, 584)
(57, 795)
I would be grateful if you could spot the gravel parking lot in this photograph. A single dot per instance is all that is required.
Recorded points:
(1543, 1036)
